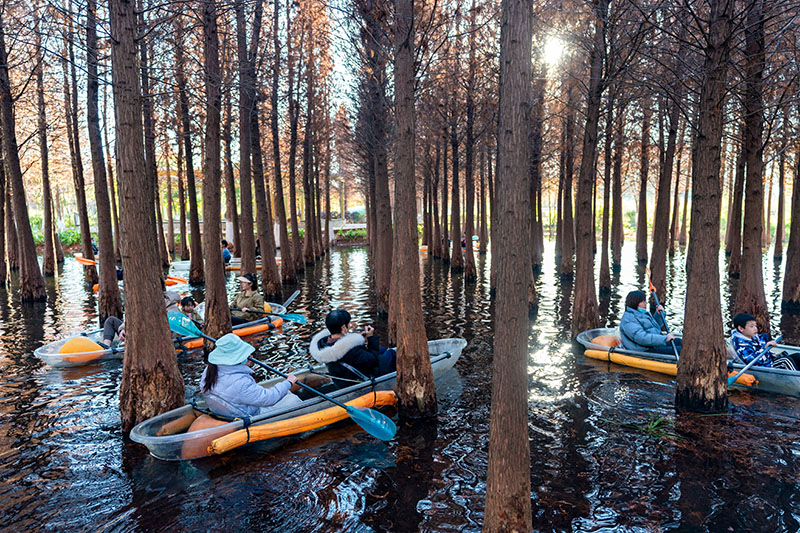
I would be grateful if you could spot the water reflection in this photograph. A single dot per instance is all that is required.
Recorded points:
(65, 465)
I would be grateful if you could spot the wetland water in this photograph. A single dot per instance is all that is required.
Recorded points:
(64, 464)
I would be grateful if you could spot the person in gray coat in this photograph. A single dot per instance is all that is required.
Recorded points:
(640, 331)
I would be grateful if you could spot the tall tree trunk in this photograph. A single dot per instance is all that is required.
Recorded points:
(328, 155)
(766, 234)
(109, 301)
(184, 248)
(218, 315)
(676, 199)
(246, 99)
(735, 214)
(780, 228)
(196, 274)
(790, 299)
(71, 113)
(470, 272)
(658, 257)
(310, 236)
(484, 234)
(617, 231)
(110, 176)
(12, 243)
(702, 366)
(436, 245)
(445, 232)
(682, 233)
(151, 382)
(294, 111)
(566, 265)
(508, 484)
(537, 235)
(3, 225)
(641, 220)
(31, 282)
(584, 310)
(415, 388)
(170, 223)
(231, 212)
(456, 256)
(270, 277)
(750, 297)
(49, 257)
(604, 286)
(288, 274)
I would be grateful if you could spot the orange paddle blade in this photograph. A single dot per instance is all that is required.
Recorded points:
(748, 380)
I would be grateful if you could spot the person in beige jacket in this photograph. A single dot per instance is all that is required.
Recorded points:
(248, 300)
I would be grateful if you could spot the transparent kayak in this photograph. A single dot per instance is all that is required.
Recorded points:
(166, 437)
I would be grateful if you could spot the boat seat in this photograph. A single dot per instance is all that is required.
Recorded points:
(731, 354)
(611, 341)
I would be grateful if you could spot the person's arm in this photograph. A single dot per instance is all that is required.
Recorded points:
(638, 334)
(258, 396)
(746, 350)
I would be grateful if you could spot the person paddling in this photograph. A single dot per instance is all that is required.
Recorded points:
(640, 331)
(749, 344)
(229, 387)
(346, 354)
(248, 300)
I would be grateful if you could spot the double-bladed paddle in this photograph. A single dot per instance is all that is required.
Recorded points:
(758, 356)
(291, 317)
(375, 423)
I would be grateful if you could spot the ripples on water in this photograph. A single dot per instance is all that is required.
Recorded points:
(65, 465)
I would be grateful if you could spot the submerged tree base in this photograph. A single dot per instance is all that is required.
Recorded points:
(688, 399)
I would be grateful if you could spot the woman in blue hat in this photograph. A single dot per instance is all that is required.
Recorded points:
(229, 386)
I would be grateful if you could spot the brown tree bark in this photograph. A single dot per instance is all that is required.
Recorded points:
(676, 199)
(456, 256)
(604, 287)
(196, 274)
(702, 367)
(537, 227)
(71, 114)
(780, 227)
(109, 301)
(641, 208)
(790, 299)
(470, 272)
(49, 256)
(246, 102)
(415, 388)
(170, 223)
(309, 240)
(682, 233)
(218, 314)
(584, 310)
(12, 243)
(110, 185)
(3, 222)
(288, 274)
(508, 484)
(483, 230)
(184, 248)
(617, 231)
(231, 211)
(270, 277)
(294, 112)
(151, 382)
(750, 298)
(436, 245)
(735, 214)
(31, 282)
(445, 232)
(568, 242)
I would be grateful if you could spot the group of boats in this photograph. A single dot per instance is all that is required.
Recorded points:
(192, 431)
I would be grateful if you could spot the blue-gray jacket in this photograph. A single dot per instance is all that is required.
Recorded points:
(237, 394)
(640, 331)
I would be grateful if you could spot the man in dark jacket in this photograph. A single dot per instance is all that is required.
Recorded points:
(351, 355)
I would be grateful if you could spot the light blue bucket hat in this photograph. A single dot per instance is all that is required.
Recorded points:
(230, 350)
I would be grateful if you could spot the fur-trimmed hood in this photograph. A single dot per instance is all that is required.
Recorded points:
(333, 352)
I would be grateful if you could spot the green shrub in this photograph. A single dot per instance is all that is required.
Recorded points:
(36, 223)
(70, 237)
(38, 238)
(352, 234)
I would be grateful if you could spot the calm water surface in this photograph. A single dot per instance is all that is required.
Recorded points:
(65, 465)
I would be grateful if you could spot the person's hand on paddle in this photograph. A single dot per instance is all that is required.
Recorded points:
(772, 343)
(368, 331)
(244, 309)
(122, 334)
(291, 378)
(670, 337)
(660, 308)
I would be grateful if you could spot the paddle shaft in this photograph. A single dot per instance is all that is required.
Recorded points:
(663, 314)
(292, 317)
(291, 298)
(758, 356)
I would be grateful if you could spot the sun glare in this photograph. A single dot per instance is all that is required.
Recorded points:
(553, 49)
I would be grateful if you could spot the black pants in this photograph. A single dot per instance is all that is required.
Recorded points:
(667, 350)
(111, 327)
(235, 320)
